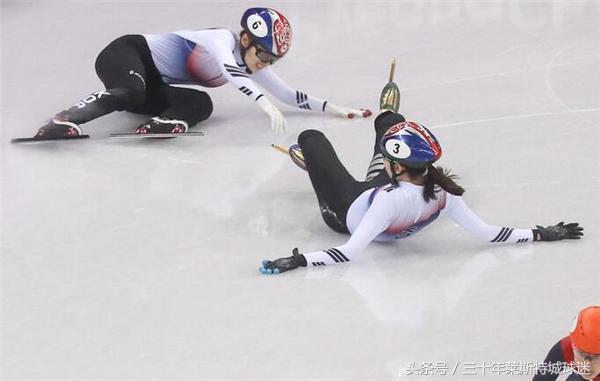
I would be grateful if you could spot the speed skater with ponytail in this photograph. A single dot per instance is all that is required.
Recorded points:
(402, 194)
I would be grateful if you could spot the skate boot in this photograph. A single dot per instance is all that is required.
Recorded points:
(159, 125)
(390, 98)
(58, 129)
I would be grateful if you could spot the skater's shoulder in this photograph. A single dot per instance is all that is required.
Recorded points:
(205, 35)
(391, 193)
(405, 189)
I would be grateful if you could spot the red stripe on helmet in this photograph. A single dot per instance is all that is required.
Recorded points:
(282, 34)
(435, 146)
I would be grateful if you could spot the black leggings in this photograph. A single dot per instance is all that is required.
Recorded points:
(334, 187)
(134, 84)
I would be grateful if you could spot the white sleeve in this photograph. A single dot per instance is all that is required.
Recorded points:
(458, 210)
(271, 82)
(378, 218)
(221, 47)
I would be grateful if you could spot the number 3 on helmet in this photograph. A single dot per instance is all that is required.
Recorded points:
(411, 145)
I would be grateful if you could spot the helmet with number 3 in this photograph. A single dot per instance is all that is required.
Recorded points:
(411, 145)
(269, 29)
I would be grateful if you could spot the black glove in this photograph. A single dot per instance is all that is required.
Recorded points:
(283, 264)
(558, 232)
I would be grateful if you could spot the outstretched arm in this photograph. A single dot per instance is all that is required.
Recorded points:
(377, 219)
(271, 82)
(241, 80)
(221, 46)
(459, 211)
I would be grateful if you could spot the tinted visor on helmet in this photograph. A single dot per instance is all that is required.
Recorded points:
(265, 56)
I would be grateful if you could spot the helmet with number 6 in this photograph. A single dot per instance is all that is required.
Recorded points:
(269, 29)
(411, 145)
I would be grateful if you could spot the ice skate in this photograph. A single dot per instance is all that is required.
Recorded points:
(158, 125)
(56, 129)
(390, 95)
(295, 153)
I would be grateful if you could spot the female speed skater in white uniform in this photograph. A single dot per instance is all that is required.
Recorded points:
(403, 193)
(138, 71)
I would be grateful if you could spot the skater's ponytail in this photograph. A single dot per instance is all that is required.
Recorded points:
(441, 177)
(435, 176)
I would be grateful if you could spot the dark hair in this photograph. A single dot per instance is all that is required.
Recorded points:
(436, 176)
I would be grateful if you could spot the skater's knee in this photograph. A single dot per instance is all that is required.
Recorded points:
(387, 119)
(203, 106)
(191, 105)
(309, 135)
(101, 61)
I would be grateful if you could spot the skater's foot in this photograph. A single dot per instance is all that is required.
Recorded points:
(58, 129)
(158, 125)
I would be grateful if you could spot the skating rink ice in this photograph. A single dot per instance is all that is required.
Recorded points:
(126, 260)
